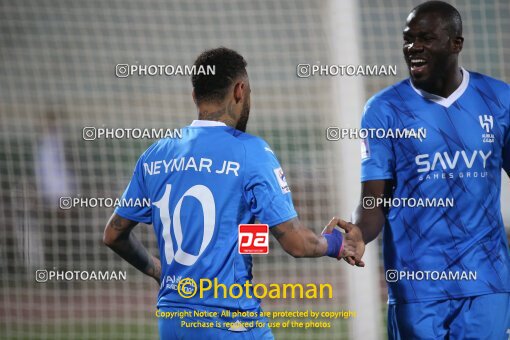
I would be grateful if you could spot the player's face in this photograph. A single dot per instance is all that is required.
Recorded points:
(245, 110)
(427, 48)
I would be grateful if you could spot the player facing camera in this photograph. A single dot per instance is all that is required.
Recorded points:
(448, 266)
(432, 43)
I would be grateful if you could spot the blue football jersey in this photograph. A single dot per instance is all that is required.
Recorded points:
(201, 187)
(450, 250)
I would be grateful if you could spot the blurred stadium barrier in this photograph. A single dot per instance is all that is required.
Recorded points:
(57, 76)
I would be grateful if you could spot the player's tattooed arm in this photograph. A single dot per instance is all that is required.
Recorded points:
(299, 241)
(119, 237)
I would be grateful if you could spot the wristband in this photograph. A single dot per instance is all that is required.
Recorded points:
(335, 240)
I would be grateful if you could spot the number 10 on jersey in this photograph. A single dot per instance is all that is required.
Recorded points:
(206, 199)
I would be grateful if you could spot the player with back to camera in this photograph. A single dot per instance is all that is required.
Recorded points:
(463, 247)
(227, 177)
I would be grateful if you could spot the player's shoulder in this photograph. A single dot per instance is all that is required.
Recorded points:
(389, 97)
(257, 151)
(488, 84)
(156, 148)
(254, 145)
(483, 78)
(251, 140)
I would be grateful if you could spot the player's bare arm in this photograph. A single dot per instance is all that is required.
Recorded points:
(119, 237)
(371, 221)
(300, 241)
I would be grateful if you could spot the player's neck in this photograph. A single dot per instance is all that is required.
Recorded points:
(218, 113)
(444, 86)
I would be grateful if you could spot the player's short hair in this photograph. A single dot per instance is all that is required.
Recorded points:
(451, 17)
(228, 66)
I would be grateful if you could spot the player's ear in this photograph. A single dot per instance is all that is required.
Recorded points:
(239, 89)
(458, 43)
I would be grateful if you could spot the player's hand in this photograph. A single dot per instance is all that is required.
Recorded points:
(336, 241)
(348, 246)
(354, 246)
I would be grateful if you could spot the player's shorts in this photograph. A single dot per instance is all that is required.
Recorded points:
(476, 317)
(170, 329)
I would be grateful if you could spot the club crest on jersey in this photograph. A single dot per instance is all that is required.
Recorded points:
(282, 180)
(487, 123)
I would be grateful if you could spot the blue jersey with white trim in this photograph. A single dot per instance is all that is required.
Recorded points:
(202, 186)
(444, 238)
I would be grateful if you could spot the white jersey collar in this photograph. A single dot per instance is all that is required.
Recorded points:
(205, 123)
(446, 102)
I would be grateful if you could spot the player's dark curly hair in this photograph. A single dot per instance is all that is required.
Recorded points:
(229, 65)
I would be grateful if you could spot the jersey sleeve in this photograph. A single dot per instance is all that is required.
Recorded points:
(377, 156)
(506, 153)
(136, 190)
(506, 141)
(265, 187)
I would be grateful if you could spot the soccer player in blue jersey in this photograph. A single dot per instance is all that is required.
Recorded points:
(447, 267)
(201, 188)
